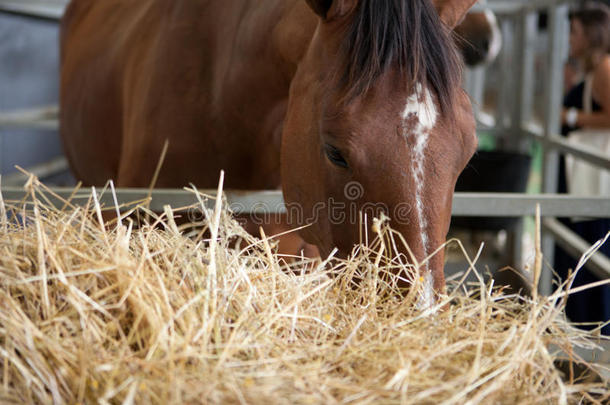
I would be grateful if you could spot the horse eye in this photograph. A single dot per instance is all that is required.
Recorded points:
(334, 155)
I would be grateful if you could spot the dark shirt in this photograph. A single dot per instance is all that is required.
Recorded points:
(574, 100)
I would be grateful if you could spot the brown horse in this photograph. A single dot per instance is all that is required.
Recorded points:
(479, 38)
(343, 103)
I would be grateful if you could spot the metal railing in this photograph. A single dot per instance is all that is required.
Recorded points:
(45, 117)
(271, 202)
(519, 20)
(46, 9)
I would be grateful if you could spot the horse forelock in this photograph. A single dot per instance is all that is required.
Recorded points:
(408, 33)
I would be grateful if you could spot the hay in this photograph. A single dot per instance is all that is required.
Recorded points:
(123, 314)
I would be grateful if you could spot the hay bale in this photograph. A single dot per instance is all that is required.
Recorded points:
(123, 314)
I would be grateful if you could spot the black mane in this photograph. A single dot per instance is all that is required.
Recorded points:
(407, 32)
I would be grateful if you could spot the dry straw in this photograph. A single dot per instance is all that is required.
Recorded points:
(94, 312)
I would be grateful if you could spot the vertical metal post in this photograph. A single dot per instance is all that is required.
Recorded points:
(475, 86)
(529, 30)
(558, 46)
(525, 30)
(468, 86)
(517, 253)
(507, 84)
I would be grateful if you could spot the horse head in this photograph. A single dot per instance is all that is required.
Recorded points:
(377, 121)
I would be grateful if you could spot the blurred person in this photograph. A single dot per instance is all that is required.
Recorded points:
(589, 66)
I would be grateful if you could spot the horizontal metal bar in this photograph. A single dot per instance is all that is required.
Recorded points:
(52, 167)
(47, 9)
(515, 6)
(36, 118)
(45, 125)
(576, 246)
(239, 201)
(517, 205)
(561, 144)
(259, 202)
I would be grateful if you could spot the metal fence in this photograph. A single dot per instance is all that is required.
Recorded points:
(517, 98)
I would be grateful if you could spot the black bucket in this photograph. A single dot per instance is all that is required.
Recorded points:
(496, 172)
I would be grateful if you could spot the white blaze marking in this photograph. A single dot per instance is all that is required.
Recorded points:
(424, 109)
(426, 298)
(421, 105)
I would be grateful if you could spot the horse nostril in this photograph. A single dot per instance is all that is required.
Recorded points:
(485, 45)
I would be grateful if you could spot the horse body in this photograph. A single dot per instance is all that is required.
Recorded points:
(168, 75)
(255, 89)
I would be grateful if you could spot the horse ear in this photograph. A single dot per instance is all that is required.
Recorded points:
(452, 12)
(331, 9)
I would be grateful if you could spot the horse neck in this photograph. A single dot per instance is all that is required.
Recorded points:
(293, 33)
(270, 39)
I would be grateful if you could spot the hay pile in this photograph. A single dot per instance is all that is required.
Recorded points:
(120, 314)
